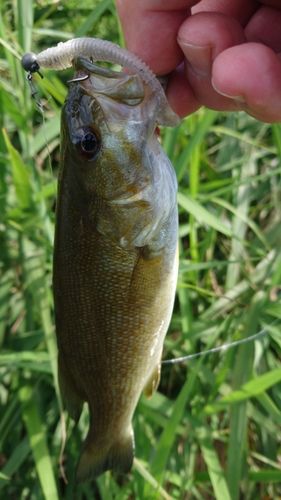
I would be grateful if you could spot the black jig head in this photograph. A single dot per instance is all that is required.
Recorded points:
(30, 64)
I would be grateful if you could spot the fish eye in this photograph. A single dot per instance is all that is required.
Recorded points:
(87, 142)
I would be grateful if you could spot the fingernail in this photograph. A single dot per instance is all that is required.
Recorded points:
(199, 58)
(240, 99)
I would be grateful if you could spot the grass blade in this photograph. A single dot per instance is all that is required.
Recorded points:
(93, 18)
(21, 177)
(238, 415)
(38, 443)
(25, 23)
(193, 207)
(15, 460)
(215, 471)
(249, 390)
(204, 123)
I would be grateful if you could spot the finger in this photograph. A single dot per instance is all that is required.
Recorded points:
(264, 26)
(272, 3)
(250, 75)
(150, 30)
(202, 38)
(241, 10)
(180, 94)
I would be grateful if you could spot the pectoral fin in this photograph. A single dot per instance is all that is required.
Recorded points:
(153, 381)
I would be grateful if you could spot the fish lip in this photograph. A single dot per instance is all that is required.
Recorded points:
(135, 197)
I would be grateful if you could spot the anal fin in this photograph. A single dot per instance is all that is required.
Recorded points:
(153, 381)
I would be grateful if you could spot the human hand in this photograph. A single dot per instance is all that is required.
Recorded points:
(225, 55)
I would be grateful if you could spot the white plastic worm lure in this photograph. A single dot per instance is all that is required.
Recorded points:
(61, 57)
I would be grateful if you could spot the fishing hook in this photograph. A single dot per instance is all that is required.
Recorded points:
(79, 79)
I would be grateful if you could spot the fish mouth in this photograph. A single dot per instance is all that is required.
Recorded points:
(135, 197)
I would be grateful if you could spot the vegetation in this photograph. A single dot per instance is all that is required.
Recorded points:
(213, 429)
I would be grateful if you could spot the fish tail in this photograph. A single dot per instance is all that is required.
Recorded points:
(71, 397)
(96, 458)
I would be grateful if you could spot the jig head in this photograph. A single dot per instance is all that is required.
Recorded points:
(30, 64)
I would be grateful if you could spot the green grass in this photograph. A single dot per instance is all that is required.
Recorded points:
(213, 429)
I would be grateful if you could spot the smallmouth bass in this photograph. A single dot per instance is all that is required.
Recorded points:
(115, 258)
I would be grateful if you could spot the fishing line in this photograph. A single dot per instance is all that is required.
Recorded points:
(34, 92)
(46, 141)
(223, 347)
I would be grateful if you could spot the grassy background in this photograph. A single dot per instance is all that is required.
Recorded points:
(213, 429)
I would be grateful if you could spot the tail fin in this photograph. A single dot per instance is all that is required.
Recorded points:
(96, 458)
